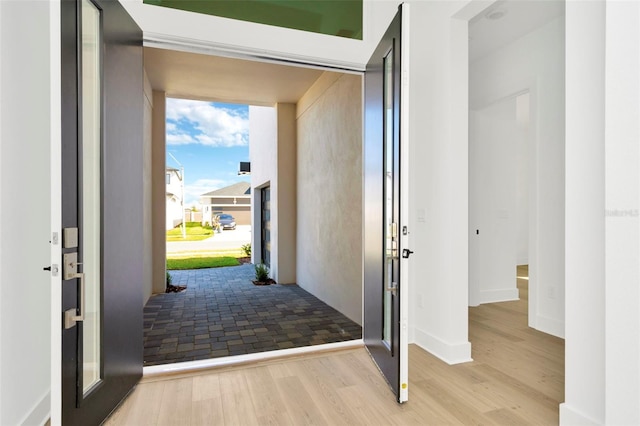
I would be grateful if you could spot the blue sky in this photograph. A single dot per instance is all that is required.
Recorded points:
(209, 139)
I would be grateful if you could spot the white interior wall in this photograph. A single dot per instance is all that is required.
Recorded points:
(523, 192)
(493, 149)
(585, 229)
(438, 206)
(329, 193)
(534, 63)
(25, 217)
(622, 211)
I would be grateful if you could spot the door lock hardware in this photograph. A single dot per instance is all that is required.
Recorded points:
(69, 272)
(405, 231)
(406, 253)
(53, 269)
(70, 238)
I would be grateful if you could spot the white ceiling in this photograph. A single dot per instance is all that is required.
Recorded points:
(214, 78)
(519, 18)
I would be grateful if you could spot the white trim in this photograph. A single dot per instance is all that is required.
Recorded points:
(1, 209)
(232, 361)
(569, 416)
(494, 296)
(56, 212)
(181, 44)
(549, 326)
(405, 91)
(451, 353)
(39, 414)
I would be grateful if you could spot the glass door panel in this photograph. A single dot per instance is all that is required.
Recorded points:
(390, 234)
(91, 128)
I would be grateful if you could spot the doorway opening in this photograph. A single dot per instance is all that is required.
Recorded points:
(289, 233)
(516, 181)
(208, 200)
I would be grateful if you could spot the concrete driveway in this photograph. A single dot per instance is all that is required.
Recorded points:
(226, 240)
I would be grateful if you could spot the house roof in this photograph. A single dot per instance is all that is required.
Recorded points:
(240, 189)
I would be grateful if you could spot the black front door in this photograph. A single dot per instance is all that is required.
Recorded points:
(102, 184)
(382, 227)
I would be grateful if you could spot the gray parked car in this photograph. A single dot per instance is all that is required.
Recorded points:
(227, 221)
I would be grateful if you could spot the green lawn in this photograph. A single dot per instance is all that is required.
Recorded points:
(195, 232)
(201, 262)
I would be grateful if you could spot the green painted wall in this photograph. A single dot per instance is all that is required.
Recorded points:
(333, 17)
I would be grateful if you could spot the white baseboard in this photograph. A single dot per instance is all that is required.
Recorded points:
(493, 296)
(571, 417)
(40, 413)
(550, 326)
(449, 353)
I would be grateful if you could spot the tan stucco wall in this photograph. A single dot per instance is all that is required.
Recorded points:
(329, 216)
(285, 209)
(158, 164)
(147, 190)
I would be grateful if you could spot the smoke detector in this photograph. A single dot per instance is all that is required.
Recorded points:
(495, 14)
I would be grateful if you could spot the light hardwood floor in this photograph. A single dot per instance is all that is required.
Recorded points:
(516, 378)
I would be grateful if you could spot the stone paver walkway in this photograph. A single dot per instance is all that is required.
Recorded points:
(221, 313)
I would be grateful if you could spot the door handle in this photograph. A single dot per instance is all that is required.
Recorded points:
(406, 253)
(69, 272)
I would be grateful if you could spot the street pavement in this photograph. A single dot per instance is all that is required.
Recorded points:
(225, 240)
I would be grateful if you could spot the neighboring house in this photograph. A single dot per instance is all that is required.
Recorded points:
(174, 197)
(234, 200)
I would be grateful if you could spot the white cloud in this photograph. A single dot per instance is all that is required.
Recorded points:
(202, 122)
(180, 138)
(193, 191)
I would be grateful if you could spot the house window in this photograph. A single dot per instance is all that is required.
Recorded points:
(168, 178)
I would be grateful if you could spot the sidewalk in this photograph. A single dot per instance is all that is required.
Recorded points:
(226, 240)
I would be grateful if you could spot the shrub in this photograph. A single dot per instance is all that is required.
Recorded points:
(246, 249)
(169, 279)
(262, 272)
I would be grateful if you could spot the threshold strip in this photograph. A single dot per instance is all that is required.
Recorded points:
(236, 360)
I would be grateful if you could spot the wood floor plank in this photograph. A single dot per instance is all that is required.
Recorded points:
(175, 405)
(322, 388)
(269, 406)
(205, 387)
(141, 407)
(302, 408)
(237, 406)
(506, 416)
